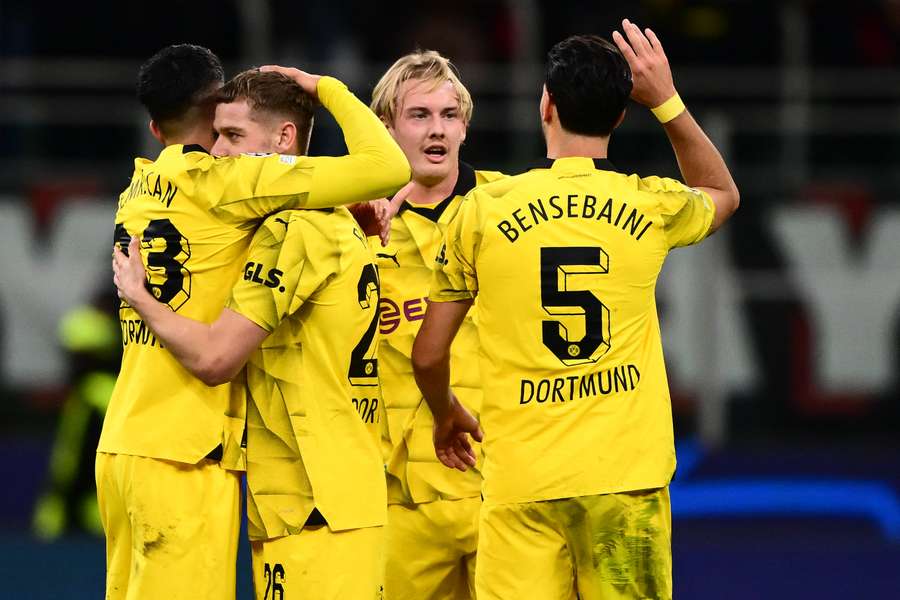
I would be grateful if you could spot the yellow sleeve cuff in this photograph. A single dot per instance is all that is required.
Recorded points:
(669, 109)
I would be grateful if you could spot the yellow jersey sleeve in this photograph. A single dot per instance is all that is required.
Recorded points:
(253, 186)
(687, 213)
(454, 274)
(278, 276)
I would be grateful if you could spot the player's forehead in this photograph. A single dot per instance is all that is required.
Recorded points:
(236, 115)
(417, 93)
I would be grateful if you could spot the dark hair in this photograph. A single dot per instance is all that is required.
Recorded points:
(274, 94)
(177, 78)
(590, 82)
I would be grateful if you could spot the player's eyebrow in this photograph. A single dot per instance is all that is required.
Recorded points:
(230, 129)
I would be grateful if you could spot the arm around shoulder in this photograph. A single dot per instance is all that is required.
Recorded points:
(229, 343)
(375, 166)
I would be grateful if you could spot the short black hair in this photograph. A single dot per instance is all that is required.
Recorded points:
(176, 78)
(589, 81)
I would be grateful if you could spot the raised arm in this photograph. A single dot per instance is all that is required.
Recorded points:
(246, 188)
(213, 353)
(701, 165)
(375, 167)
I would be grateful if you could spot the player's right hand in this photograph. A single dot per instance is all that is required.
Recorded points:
(307, 82)
(451, 436)
(128, 272)
(650, 72)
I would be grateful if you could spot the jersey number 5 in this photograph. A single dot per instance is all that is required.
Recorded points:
(169, 279)
(563, 271)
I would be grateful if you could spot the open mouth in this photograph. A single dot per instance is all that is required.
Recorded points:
(435, 153)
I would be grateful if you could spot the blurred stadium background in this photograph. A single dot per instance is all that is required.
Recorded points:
(781, 333)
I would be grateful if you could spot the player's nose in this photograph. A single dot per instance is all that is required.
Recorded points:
(436, 127)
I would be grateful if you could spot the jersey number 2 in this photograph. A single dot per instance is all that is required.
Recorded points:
(562, 269)
(364, 371)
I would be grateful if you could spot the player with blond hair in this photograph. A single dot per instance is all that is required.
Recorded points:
(432, 531)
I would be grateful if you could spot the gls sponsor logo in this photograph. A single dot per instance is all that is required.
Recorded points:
(390, 314)
(253, 272)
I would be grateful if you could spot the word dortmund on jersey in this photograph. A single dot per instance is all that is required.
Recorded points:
(564, 261)
(195, 215)
(405, 266)
(314, 415)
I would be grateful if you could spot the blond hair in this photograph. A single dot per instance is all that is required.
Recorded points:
(426, 66)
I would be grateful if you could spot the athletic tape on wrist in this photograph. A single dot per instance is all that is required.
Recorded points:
(669, 109)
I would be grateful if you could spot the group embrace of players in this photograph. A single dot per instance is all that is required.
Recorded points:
(272, 335)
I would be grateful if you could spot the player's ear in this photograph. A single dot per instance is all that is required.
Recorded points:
(547, 107)
(287, 138)
(153, 126)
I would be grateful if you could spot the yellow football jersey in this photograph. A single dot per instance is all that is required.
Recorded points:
(564, 261)
(195, 215)
(313, 418)
(405, 266)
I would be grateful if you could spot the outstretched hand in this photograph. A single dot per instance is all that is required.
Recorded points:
(308, 83)
(374, 217)
(128, 272)
(451, 436)
(650, 71)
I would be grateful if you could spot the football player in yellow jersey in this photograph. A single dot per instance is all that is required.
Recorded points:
(303, 317)
(167, 488)
(578, 442)
(432, 532)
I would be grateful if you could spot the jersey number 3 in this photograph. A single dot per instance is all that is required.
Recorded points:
(168, 277)
(565, 273)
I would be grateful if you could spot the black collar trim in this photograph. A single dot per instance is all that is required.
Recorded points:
(601, 164)
(193, 148)
(464, 184)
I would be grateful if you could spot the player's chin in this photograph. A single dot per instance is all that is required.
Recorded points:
(432, 169)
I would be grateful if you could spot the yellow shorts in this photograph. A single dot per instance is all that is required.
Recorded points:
(320, 564)
(588, 547)
(171, 528)
(431, 550)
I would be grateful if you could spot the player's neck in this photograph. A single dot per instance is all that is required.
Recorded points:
(194, 136)
(427, 191)
(561, 144)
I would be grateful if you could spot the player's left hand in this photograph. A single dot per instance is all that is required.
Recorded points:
(374, 218)
(650, 72)
(128, 272)
(451, 436)
(308, 82)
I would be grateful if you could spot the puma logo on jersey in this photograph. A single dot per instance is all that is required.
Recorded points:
(253, 272)
(393, 257)
(282, 221)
